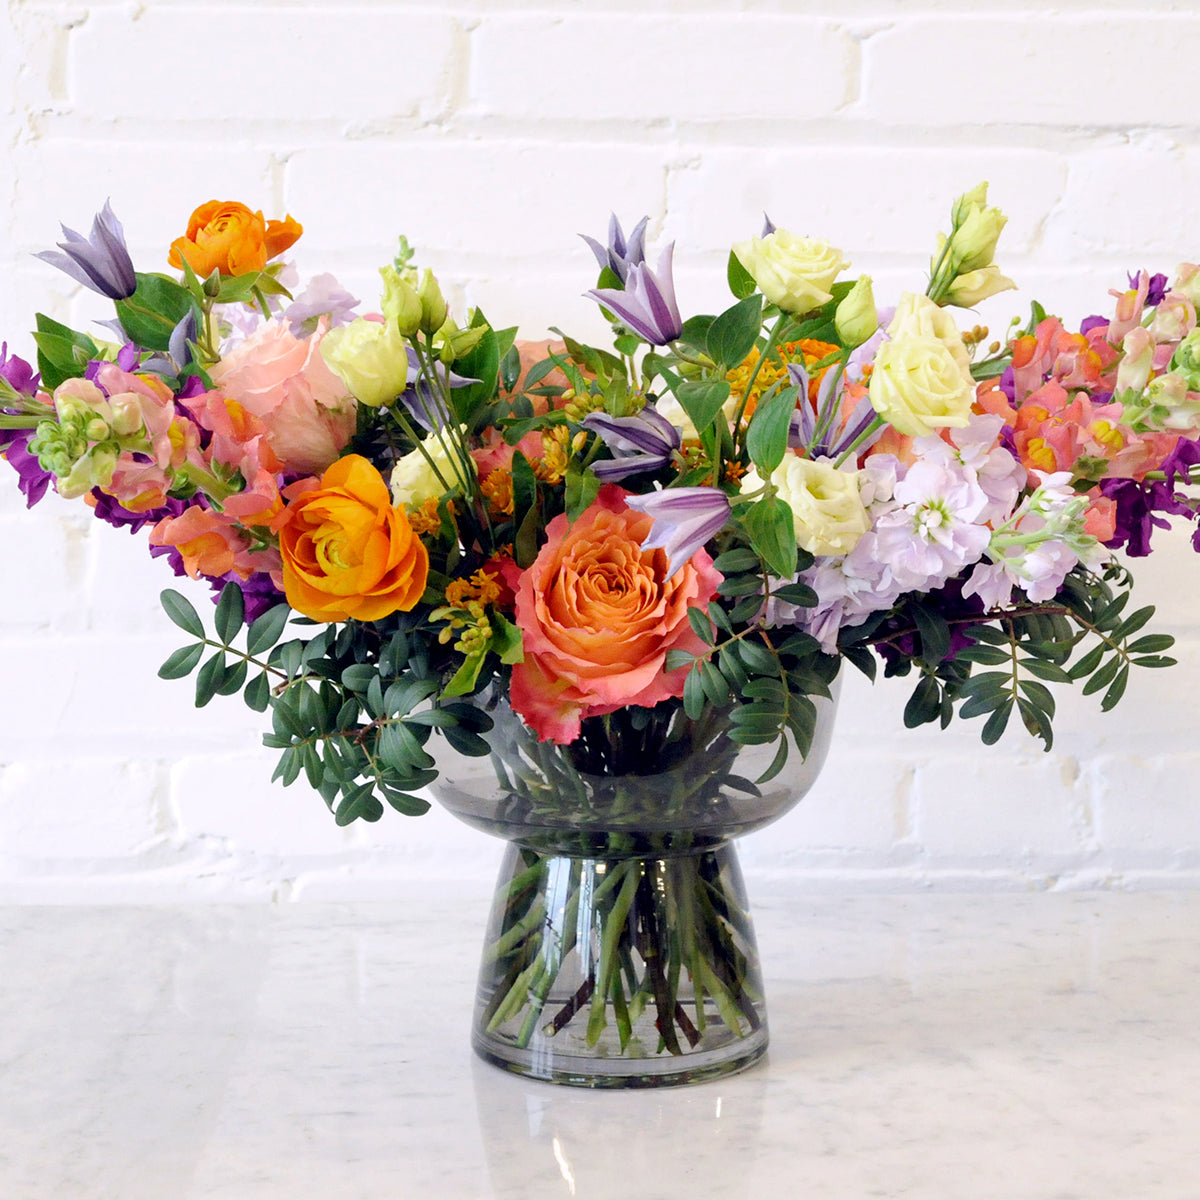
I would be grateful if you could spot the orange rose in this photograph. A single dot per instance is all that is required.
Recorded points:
(347, 553)
(598, 615)
(228, 237)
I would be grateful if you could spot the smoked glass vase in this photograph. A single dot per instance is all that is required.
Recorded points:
(620, 951)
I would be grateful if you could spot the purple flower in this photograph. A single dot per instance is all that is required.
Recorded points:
(1137, 504)
(644, 442)
(647, 305)
(323, 297)
(1157, 289)
(422, 400)
(32, 478)
(100, 262)
(619, 255)
(684, 519)
(15, 371)
(768, 226)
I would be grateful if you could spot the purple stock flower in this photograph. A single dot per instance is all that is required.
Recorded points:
(647, 304)
(19, 375)
(643, 442)
(684, 519)
(100, 262)
(620, 255)
(32, 478)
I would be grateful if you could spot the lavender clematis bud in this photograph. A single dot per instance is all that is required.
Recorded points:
(100, 262)
(643, 442)
(684, 520)
(647, 305)
(619, 255)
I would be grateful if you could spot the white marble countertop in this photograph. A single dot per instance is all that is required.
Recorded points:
(1008, 1047)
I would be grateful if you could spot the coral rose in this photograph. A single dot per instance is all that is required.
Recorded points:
(598, 615)
(347, 553)
(228, 237)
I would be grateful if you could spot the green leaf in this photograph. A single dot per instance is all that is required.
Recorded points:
(693, 694)
(767, 436)
(935, 633)
(1113, 696)
(258, 693)
(772, 531)
(180, 610)
(182, 662)
(677, 659)
(150, 315)
(1036, 722)
(732, 335)
(741, 282)
(1152, 643)
(466, 742)
(358, 677)
(235, 676)
(713, 682)
(359, 802)
(695, 330)
(701, 625)
(702, 399)
(737, 560)
(209, 678)
(925, 704)
(482, 363)
(405, 804)
(1103, 677)
(582, 487)
(231, 612)
(62, 352)
(1039, 695)
(995, 725)
(1133, 622)
(1087, 664)
(1155, 660)
(985, 656)
(1045, 670)
(266, 630)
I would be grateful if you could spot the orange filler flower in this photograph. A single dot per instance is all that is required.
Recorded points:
(347, 552)
(230, 238)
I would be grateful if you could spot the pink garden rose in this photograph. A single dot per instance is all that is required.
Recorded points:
(598, 616)
(284, 382)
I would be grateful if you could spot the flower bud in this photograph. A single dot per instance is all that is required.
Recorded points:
(1137, 348)
(976, 286)
(433, 304)
(400, 302)
(1186, 359)
(856, 318)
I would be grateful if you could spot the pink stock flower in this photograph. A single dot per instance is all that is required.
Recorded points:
(283, 381)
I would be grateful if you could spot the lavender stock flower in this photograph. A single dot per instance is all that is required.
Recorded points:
(644, 442)
(647, 303)
(619, 256)
(684, 519)
(100, 262)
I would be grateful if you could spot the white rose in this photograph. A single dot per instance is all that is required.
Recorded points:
(918, 387)
(794, 273)
(826, 505)
(414, 480)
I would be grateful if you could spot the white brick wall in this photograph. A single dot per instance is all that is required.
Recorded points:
(491, 132)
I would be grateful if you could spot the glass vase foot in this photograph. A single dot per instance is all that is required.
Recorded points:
(627, 970)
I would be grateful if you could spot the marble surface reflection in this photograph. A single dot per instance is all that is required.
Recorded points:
(1003, 1046)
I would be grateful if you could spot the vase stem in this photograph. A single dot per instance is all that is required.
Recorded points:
(622, 970)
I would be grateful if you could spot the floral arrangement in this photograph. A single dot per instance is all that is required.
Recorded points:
(398, 511)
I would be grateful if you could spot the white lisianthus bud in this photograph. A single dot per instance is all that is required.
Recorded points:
(826, 504)
(400, 302)
(976, 286)
(433, 303)
(794, 273)
(856, 318)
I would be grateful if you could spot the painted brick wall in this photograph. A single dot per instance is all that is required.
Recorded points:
(491, 132)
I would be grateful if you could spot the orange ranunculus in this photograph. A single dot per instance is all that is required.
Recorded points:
(228, 237)
(598, 615)
(347, 552)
